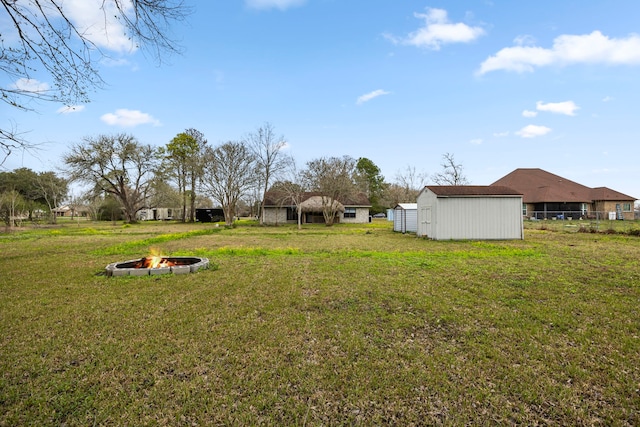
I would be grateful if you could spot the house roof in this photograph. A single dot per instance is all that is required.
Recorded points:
(604, 193)
(472, 190)
(538, 186)
(282, 199)
(315, 204)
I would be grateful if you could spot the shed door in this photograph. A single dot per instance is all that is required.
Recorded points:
(425, 224)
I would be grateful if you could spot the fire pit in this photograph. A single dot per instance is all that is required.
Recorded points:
(157, 265)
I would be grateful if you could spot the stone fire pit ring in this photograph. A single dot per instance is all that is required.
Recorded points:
(181, 265)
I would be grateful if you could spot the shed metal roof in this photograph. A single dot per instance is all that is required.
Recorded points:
(407, 206)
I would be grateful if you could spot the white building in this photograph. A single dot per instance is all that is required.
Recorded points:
(405, 218)
(469, 212)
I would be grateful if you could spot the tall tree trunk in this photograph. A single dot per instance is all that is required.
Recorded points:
(192, 213)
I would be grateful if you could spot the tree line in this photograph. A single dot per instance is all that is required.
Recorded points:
(125, 177)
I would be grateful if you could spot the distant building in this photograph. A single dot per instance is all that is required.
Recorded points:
(279, 208)
(549, 196)
(159, 214)
(71, 211)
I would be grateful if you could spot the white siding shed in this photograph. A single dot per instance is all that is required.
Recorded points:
(469, 212)
(405, 218)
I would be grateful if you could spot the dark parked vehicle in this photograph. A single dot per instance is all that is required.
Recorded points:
(209, 215)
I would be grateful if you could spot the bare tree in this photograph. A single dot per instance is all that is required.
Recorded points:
(92, 200)
(332, 177)
(74, 203)
(118, 165)
(11, 203)
(43, 38)
(52, 189)
(292, 189)
(229, 172)
(407, 186)
(269, 157)
(451, 172)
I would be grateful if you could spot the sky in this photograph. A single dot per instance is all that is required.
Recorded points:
(499, 84)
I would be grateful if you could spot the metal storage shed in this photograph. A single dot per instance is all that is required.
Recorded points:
(405, 217)
(470, 212)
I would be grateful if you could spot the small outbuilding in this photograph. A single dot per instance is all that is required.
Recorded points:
(405, 218)
(469, 212)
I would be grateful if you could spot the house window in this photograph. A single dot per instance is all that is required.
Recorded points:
(292, 214)
(349, 212)
(626, 207)
(583, 209)
(524, 209)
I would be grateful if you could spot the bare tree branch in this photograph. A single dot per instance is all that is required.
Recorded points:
(270, 158)
(229, 172)
(118, 165)
(42, 39)
(451, 172)
(332, 177)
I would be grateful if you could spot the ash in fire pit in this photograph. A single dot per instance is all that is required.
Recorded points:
(157, 265)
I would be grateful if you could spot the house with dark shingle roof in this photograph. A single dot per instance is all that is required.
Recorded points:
(546, 195)
(281, 208)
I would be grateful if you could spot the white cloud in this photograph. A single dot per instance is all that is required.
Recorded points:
(369, 96)
(438, 30)
(30, 85)
(129, 118)
(270, 4)
(594, 48)
(95, 19)
(476, 141)
(501, 134)
(607, 99)
(529, 113)
(567, 107)
(531, 131)
(525, 40)
(67, 109)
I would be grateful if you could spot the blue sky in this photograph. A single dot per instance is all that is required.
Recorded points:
(499, 84)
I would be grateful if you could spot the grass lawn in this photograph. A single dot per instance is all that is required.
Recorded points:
(324, 326)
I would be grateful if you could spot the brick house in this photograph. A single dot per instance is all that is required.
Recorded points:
(549, 196)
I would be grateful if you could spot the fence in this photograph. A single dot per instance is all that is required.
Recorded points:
(577, 221)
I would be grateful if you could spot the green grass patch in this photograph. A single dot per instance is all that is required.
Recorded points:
(319, 326)
(135, 246)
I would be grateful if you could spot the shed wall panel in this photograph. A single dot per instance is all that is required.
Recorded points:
(472, 218)
(405, 220)
(479, 218)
